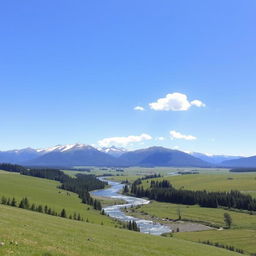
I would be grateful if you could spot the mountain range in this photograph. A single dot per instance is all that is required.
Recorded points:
(86, 155)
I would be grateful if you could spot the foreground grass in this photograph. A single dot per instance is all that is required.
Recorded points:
(242, 239)
(30, 233)
(46, 192)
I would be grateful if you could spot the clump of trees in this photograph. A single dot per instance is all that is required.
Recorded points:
(163, 191)
(131, 225)
(125, 189)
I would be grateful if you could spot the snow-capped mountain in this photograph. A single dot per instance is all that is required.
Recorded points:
(113, 151)
(63, 148)
(26, 155)
(73, 155)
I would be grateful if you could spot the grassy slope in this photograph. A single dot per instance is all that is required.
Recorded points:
(45, 192)
(40, 235)
(215, 182)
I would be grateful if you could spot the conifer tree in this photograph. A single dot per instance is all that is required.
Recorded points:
(63, 213)
(13, 202)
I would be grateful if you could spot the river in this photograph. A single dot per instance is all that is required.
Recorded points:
(115, 211)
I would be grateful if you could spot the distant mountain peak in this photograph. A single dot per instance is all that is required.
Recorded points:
(113, 150)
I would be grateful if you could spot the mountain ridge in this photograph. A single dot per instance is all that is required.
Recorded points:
(83, 154)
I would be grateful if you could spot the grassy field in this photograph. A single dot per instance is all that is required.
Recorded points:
(213, 216)
(45, 192)
(245, 182)
(30, 233)
(242, 239)
(142, 171)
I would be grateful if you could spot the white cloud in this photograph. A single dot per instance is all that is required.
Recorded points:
(197, 103)
(139, 108)
(175, 102)
(123, 141)
(160, 138)
(178, 135)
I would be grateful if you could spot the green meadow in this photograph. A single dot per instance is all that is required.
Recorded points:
(210, 216)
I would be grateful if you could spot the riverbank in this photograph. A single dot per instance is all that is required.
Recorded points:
(174, 225)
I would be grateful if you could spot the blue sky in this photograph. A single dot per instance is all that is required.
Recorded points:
(73, 71)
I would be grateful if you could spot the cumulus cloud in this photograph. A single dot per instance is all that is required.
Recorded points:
(178, 135)
(139, 108)
(123, 141)
(175, 102)
(197, 103)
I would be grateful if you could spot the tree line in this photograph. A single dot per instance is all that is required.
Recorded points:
(81, 184)
(163, 191)
(25, 204)
(227, 247)
(243, 170)
(11, 167)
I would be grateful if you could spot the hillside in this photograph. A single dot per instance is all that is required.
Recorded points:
(46, 192)
(26, 233)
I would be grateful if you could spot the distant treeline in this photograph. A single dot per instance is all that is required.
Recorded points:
(243, 170)
(11, 167)
(163, 191)
(151, 176)
(80, 185)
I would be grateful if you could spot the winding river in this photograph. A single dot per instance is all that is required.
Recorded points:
(115, 211)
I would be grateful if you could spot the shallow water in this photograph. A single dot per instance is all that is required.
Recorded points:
(114, 211)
